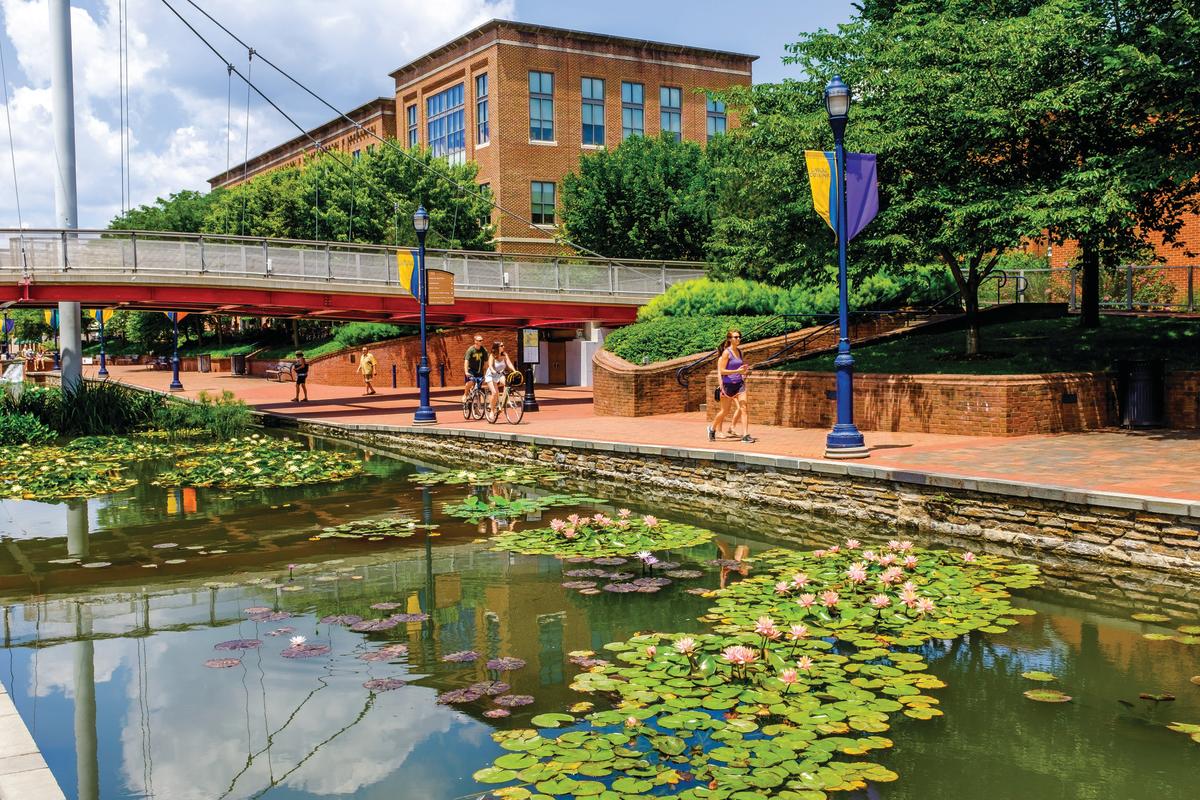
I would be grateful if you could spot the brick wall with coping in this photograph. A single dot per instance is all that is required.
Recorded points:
(977, 405)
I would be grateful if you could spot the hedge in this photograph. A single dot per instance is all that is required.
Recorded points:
(670, 337)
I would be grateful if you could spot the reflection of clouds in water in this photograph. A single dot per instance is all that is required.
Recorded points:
(56, 667)
(204, 723)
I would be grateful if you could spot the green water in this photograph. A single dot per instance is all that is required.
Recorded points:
(106, 664)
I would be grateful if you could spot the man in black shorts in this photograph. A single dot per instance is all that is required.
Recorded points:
(474, 364)
(300, 373)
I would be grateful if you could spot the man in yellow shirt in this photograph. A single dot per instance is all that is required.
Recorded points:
(367, 365)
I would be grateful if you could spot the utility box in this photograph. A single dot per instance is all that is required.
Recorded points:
(1141, 392)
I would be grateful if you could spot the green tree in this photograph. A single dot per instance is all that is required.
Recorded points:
(368, 200)
(182, 211)
(645, 198)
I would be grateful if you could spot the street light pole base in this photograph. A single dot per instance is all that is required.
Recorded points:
(847, 452)
(175, 388)
(419, 419)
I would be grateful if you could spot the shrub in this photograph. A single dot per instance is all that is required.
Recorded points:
(18, 428)
(353, 334)
(671, 337)
(223, 416)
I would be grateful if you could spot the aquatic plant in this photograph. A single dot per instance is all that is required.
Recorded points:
(600, 535)
(260, 461)
(474, 509)
(784, 697)
(374, 530)
(522, 473)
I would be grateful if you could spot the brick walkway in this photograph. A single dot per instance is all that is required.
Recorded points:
(1156, 463)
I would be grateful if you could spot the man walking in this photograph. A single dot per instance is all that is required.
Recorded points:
(367, 365)
(474, 364)
(300, 373)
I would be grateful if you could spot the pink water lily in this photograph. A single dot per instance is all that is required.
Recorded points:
(807, 600)
(925, 605)
(687, 645)
(819, 553)
(894, 544)
(783, 587)
(570, 532)
(798, 632)
(600, 519)
(573, 519)
(835, 549)
(650, 521)
(651, 651)
(881, 601)
(869, 555)
(857, 572)
(738, 655)
(624, 513)
(910, 562)
(800, 580)
(643, 555)
(829, 599)
(557, 525)
(789, 677)
(805, 663)
(853, 544)
(766, 627)
(968, 557)
(891, 575)
(887, 560)
(905, 546)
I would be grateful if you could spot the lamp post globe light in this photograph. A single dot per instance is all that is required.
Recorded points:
(844, 440)
(425, 414)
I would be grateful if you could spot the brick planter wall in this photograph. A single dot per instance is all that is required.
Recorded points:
(449, 348)
(981, 405)
(622, 389)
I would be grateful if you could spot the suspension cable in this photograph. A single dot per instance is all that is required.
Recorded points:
(121, 94)
(12, 145)
(246, 142)
(228, 129)
(466, 188)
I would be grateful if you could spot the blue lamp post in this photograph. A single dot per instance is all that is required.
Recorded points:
(103, 373)
(425, 414)
(845, 440)
(175, 386)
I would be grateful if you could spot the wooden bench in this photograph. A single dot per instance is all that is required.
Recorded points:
(280, 372)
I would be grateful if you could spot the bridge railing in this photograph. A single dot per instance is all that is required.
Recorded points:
(33, 252)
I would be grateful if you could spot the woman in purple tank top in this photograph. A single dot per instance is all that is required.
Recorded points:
(732, 369)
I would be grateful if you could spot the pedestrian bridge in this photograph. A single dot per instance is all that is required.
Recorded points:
(147, 270)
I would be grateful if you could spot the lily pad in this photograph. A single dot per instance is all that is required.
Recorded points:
(461, 657)
(238, 644)
(383, 684)
(552, 720)
(305, 651)
(1039, 676)
(1161, 697)
(1047, 696)
(222, 663)
(505, 663)
(1150, 617)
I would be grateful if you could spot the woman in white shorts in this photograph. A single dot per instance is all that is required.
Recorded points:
(498, 367)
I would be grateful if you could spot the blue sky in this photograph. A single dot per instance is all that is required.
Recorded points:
(179, 126)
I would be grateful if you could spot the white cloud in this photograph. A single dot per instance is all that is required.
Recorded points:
(178, 89)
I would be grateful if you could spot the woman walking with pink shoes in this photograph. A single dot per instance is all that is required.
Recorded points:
(732, 369)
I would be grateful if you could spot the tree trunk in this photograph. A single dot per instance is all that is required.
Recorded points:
(970, 298)
(296, 334)
(1090, 295)
(220, 337)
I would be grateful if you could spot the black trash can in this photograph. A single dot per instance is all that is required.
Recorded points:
(1141, 392)
(204, 363)
(237, 364)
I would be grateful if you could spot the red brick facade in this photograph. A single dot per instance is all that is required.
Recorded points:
(975, 405)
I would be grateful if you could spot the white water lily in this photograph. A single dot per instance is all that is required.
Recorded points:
(297, 641)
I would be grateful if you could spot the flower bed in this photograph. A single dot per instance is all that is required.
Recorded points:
(601, 535)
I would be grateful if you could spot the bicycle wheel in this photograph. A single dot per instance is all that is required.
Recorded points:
(466, 404)
(478, 404)
(514, 408)
(492, 414)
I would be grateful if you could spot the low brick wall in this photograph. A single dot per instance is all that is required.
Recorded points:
(448, 348)
(622, 389)
(1059, 526)
(979, 405)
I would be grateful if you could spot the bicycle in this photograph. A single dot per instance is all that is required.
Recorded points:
(476, 403)
(512, 400)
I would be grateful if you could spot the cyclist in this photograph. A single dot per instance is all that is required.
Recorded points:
(499, 365)
(475, 364)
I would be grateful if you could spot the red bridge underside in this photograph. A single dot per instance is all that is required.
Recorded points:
(268, 303)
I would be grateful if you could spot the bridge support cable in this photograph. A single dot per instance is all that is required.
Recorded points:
(228, 129)
(466, 188)
(12, 145)
(246, 141)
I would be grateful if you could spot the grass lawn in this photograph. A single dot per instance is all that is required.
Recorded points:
(1057, 345)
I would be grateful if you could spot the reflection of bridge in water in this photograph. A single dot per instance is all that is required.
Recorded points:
(336, 280)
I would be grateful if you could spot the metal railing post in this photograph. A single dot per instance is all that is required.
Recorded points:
(612, 279)
(202, 265)
(466, 278)
(1129, 287)
(1074, 302)
(664, 277)
(65, 264)
(133, 241)
(1191, 287)
(503, 284)
(557, 275)
(328, 263)
(266, 258)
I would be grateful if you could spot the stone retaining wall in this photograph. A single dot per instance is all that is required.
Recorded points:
(1104, 528)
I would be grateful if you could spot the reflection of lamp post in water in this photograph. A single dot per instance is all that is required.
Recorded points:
(87, 765)
(430, 585)
(77, 529)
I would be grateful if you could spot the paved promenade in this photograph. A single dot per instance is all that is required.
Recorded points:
(1155, 463)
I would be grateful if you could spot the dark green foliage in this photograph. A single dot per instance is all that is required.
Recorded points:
(645, 198)
(23, 428)
(91, 409)
(665, 338)
(182, 212)
(353, 334)
(1038, 346)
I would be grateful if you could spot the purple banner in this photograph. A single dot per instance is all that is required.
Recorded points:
(862, 192)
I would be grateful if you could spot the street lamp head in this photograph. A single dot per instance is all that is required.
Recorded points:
(420, 220)
(837, 99)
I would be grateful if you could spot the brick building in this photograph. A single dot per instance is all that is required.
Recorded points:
(525, 101)
(377, 116)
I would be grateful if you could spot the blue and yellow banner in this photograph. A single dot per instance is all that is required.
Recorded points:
(862, 189)
(408, 272)
(176, 316)
(101, 315)
(51, 317)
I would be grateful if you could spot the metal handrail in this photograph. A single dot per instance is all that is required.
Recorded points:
(1001, 283)
(683, 374)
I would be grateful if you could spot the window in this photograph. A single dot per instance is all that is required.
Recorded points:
(541, 107)
(670, 101)
(633, 110)
(716, 117)
(593, 111)
(543, 203)
(446, 125)
(482, 134)
(412, 125)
